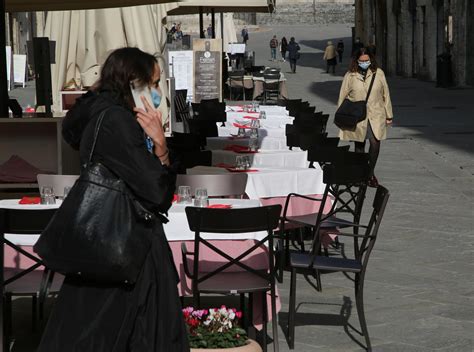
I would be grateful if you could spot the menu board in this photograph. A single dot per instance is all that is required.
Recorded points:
(207, 69)
(181, 68)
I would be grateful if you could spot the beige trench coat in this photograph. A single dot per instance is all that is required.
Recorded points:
(330, 52)
(379, 106)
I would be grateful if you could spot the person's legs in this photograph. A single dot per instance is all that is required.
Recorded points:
(327, 66)
(333, 68)
(340, 57)
(374, 149)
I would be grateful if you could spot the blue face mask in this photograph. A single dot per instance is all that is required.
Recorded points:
(364, 65)
(156, 97)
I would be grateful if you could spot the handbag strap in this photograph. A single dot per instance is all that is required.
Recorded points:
(370, 87)
(96, 132)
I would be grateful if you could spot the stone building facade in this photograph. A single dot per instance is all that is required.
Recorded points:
(410, 35)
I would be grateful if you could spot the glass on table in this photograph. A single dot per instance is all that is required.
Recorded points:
(253, 144)
(47, 195)
(66, 191)
(263, 115)
(241, 132)
(240, 162)
(184, 194)
(201, 199)
(246, 162)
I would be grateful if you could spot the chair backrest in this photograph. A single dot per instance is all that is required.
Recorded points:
(234, 221)
(237, 75)
(274, 76)
(181, 106)
(24, 221)
(58, 182)
(212, 110)
(190, 159)
(185, 142)
(367, 243)
(223, 185)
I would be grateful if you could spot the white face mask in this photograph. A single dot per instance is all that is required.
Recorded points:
(364, 64)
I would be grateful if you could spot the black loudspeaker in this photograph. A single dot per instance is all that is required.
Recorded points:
(42, 57)
(15, 108)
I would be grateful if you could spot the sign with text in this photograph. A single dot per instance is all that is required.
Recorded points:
(181, 68)
(19, 69)
(207, 69)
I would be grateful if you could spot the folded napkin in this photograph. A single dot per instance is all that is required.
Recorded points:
(250, 117)
(30, 200)
(220, 206)
(175, 198)
(236, 148)
(238, 125)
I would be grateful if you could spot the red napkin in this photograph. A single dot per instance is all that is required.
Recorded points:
(220, 206)
(236, 147)
(175, 198)
(238, 125)
(250, 117)
(30, 200)
(233, 169)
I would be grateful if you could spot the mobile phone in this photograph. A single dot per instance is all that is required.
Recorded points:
(138, 91)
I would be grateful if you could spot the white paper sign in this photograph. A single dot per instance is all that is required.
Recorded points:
(8, 51)
(181, 68)
(19, 69)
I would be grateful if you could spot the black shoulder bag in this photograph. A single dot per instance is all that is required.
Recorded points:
(100, 232)
(350, 113)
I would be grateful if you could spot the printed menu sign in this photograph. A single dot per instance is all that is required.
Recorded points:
(207, 69)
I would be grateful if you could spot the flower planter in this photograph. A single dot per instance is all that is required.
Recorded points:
(252, 346)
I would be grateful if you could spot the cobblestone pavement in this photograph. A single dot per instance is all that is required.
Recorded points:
(419, 285)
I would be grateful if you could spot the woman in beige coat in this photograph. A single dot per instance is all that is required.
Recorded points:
(330, 57)
(379, 107)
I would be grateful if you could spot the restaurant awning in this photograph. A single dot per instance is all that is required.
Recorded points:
(61, 5)
(186, 7)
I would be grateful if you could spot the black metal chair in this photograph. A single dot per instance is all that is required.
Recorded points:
(236, 83)
(271, 87)
(249, 280)
(304, 263)
(181, 106)
(29, 282)
(346, 185)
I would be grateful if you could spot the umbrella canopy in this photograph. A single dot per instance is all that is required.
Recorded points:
(59, 5)
(187, 7)
(84, 39)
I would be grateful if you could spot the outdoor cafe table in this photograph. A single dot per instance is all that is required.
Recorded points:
(177, 232)
(256, 82)
(264, 143)
(262, 158)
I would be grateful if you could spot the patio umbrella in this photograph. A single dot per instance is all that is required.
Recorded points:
(186, 7)
(84, 39)
(51, 5)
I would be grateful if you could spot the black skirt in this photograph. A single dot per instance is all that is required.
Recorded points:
(145, 317)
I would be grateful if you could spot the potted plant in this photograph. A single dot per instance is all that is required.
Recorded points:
(217, 329)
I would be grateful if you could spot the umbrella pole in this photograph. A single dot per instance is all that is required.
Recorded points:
(3, 70)
(222, 30)
(213, 23)
(201, 23)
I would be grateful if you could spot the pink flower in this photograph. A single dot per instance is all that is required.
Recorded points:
(238, 315)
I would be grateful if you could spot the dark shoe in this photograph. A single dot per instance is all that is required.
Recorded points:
(373, 182)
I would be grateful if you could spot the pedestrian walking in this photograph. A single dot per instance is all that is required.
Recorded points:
(245, 35)
(209, 31)
(273, 48)
(340, 49)
(330, 57)
(293, 53)
(283, 48)
(145, 316)
(355, 87)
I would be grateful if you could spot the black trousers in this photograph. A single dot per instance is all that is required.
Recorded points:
(293, 65)
(374, 148)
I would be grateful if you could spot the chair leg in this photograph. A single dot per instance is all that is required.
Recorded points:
(243, 310)
(276, 344)
(359, 294)
(34, 311)
(251, 329)
(265, 321)
(292, 311)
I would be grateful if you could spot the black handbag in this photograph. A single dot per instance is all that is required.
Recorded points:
(350, 113)
(100, 232)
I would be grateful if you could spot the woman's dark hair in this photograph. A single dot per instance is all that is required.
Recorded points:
(354, 65)
(123, 66)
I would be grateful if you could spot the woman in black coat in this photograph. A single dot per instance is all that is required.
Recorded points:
(145, 317)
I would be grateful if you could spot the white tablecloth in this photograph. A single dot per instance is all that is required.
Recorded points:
(25, 240)
(177, 228)
(264, 143)
(278, 159)
(274, 182)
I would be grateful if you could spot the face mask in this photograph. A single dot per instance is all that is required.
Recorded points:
(364, 65)
(156, 97)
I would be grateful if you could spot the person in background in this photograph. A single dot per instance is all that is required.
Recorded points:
(354, 87)
(293, 53)
(245, 35)
(273, 48)
(146, 316)
(179, 32)
(209, 31)
(357, 45)
(330, 57)
(340, 49)
(283, 48)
